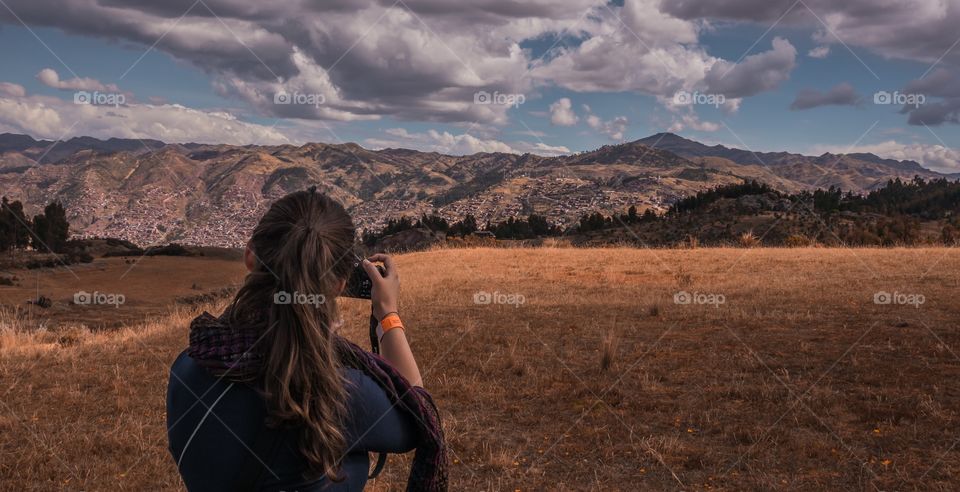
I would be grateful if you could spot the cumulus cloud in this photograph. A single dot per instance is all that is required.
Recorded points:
(418, 60)
(461, 144)
(935, 157)
(52, 118)
(50, 78)
(425, 60)
(562, 114)
(614, 128)
(637, 48)
(842, 94)
(907, 29)
(942, 84)
(755, 74)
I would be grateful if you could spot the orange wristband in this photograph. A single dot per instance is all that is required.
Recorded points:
(390, 322)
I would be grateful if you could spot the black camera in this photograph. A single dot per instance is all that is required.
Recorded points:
(359, 285)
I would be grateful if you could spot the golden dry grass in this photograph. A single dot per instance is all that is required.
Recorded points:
(798, 380)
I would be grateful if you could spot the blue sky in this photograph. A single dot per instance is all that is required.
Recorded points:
(227, 88)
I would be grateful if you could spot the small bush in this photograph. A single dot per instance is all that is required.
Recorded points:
(799, 241)
(748, 240)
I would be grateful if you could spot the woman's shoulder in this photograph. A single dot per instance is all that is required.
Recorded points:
(362, 387)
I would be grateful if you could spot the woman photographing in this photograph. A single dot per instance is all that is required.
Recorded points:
(269, 397)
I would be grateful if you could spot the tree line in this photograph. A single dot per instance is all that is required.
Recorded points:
(48, 231)
(901, 203)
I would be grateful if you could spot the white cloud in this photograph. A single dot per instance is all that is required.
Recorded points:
(819, 52)
(614, 129)
(462, 144)
(935, 157)
(693, 122)
(648, 53)
(52, 118)
(424, 60)
(731, 105)
(435, 141)
(50, 78)
(419, 61)
(541, 148)
(562, 114)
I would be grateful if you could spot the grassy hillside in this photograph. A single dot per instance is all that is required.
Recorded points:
(597, 380)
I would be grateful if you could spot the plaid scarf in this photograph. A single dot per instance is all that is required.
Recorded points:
(233, 353)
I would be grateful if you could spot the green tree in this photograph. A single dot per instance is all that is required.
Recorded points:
(14, 226)
(51, 229)
(464, 227)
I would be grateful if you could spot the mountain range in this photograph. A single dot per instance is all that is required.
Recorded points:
(151, 192)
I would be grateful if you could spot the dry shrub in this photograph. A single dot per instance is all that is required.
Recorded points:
(499, 458)
(799, 241)
(748, 240)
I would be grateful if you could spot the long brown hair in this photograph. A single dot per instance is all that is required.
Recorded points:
(303, 247)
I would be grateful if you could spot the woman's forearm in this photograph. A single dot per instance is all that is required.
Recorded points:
(395, 349)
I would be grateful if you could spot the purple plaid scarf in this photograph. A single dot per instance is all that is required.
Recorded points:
(233, 353)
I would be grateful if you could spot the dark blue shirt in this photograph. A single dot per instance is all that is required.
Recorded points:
(213, 424)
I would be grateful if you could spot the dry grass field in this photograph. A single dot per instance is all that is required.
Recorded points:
(149, 286)
(584, 372)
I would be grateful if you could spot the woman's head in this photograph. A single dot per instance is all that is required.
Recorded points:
(305, 240)
(299, 258)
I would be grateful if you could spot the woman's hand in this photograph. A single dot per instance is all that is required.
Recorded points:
(385, 295)
(386, 299)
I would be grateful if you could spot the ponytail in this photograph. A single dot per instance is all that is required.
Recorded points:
(302, 246)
